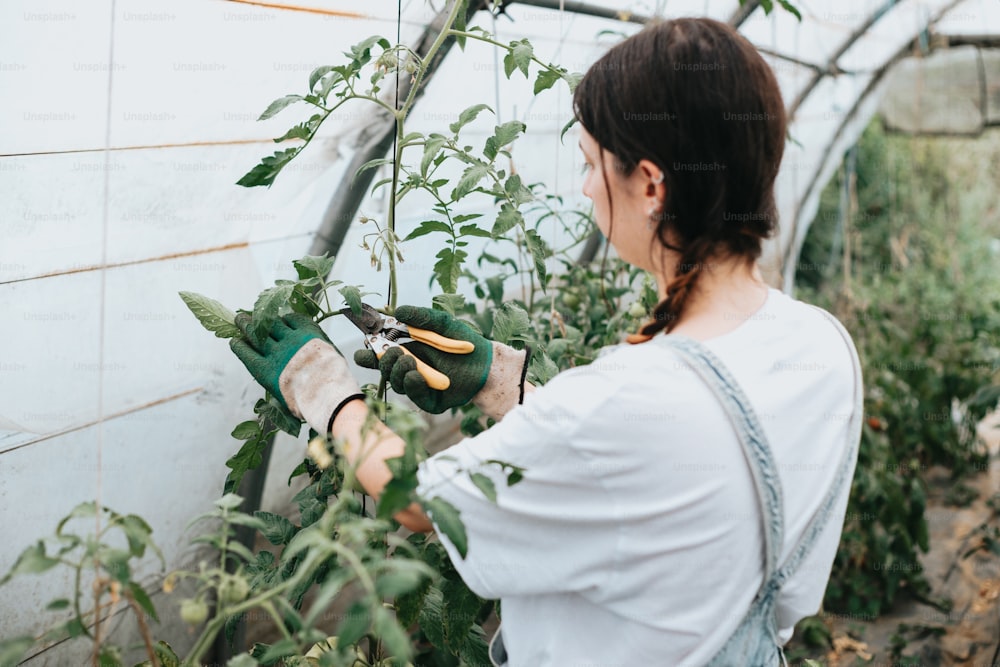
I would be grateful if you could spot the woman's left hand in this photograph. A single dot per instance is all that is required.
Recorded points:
(299, 366)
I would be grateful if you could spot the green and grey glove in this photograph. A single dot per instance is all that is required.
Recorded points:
(300, 367)
(491, 376)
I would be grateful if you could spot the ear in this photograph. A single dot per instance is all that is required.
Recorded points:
(651, 180)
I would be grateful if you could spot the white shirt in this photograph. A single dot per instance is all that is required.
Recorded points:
(636, 535)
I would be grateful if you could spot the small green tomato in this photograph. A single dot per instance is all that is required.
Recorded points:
(193, 612)
(233, 588)
(637, 310)
(571, 300)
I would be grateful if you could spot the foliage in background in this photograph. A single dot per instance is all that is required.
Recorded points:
(903, 257)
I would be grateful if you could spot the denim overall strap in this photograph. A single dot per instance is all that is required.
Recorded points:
(818, 521)
(752, 439)
(755, 640)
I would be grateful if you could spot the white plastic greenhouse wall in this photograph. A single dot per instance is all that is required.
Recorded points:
(124, 125)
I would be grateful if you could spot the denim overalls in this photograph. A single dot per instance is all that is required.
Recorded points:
(755, 642)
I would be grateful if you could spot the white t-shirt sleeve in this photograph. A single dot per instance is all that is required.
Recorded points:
(542, 534)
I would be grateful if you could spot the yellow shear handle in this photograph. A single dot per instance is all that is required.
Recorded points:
(435, 379)
(442, 343)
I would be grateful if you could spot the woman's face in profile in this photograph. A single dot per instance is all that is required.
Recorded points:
(630, 233)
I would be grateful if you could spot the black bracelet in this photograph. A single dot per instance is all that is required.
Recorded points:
(524, 373)
(336, 410)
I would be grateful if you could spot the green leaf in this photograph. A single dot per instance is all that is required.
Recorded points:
(460, 608)
(278, 415)
(396, 496)
(449, 303)
(572, 79)
(115, 562)
(510, 322)
(467, 116)
(546, 79)
(541, 368)
(471, 177)
(247, 458)
(448, 520)
(502, 135)
(432, 147)
(539, 251)
(277, 529)
(449, 267)
(55, 605)
(12, 650)
(508, 218)
(397, 576)
(372, 164)
(428, 226)
(109, 656)
(355, 624)
(300, 469)
(484, 484)
(474, 650)
(142, 598)
(301, 131)
(269, 168)
(408, 605)
(791, 8)
(517, 191)
(566, 127)
(31, 561)
(85, 510)
(280, 649)
(265, 311)
(459, 25)
(314, 266)
(166, 655)
(520, 54)
(361, 52)
(246, 430)
(137, 532)
(352, 297)
(430, 617)
(318, 74)
(213, 315)
(473, 230)
(276, 106)
(302, 302)
(392, 636)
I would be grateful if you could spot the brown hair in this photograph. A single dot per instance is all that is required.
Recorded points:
(694, 97)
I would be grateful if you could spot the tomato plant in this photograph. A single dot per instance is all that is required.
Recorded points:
(910, 273)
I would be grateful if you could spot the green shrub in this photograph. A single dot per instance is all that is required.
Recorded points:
(904, 258)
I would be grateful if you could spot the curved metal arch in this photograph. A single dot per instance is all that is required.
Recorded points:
(847, 132)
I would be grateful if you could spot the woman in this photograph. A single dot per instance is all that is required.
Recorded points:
(683, 495)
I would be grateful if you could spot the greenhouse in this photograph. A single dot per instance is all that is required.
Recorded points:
(335, 335)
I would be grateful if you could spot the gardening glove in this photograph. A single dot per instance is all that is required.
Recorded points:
(300, 367)
(491, 376)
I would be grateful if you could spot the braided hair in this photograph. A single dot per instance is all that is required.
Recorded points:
(694, 97)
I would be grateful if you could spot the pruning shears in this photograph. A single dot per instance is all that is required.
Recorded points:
(384, 331)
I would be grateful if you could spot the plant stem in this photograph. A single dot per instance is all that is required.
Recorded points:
(143, 629)
(401, 115)
(76, 599)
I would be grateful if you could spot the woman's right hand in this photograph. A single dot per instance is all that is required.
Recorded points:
(491, 376)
